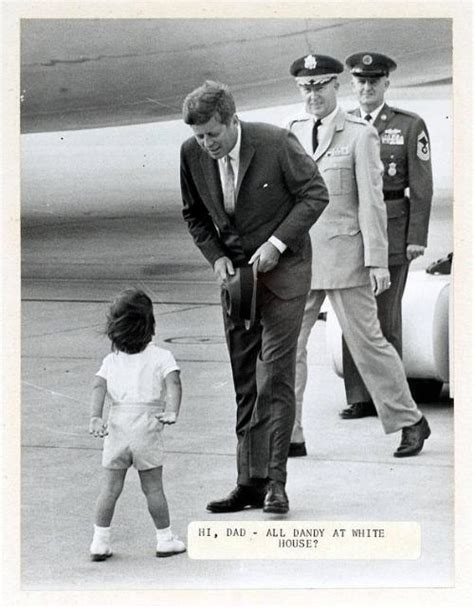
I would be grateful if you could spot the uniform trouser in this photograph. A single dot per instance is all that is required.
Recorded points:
(376, 359)
(263, 362)
(389, 310)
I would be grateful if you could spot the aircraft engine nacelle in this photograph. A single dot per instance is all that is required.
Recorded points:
(426, 328)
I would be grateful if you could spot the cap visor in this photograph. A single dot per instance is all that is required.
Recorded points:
(369, 73)
(315, 79)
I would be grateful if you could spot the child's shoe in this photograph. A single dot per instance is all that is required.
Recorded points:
(100, 547)
(168, 544)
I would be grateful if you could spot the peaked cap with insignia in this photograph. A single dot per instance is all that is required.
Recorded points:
(370, 64)
(315, 69)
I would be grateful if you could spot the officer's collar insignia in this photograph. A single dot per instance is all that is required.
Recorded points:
(310, 62)
(367, 59)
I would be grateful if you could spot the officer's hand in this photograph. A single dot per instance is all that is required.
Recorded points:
(414, 251)
(222, 267)
(379, 279)
(167, 417)
(97, 427)
(267, 255)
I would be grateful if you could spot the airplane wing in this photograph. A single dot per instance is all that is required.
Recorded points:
(89, 73)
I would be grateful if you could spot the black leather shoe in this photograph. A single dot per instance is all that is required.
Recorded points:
(358, 410)
(413, 438)
(276, 500)
(240, 498)
(297, 449)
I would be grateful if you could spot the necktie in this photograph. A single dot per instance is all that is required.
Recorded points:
(317, 124)
(229, 186)
(368, 118)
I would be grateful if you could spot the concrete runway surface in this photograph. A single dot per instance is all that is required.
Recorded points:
(71, 269)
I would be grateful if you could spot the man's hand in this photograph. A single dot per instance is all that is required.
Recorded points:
(222, 267)
(414, 251)
(379, 279)
(167, 417)
(267, 255)
(97, 427)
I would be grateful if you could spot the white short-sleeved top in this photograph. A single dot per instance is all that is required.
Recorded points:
(137, 378)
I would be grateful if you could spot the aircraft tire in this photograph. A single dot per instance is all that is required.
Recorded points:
(425, 390)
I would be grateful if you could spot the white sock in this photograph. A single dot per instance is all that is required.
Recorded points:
(102, 533)
(164, 533)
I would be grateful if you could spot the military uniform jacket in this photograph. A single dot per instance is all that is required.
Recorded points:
(406, 156)
(351, 234)
(279, 192)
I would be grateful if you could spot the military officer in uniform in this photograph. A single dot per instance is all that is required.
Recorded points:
(350, 251)
(407, 191)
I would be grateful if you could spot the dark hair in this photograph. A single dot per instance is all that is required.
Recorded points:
(207, 100)
(130, 321)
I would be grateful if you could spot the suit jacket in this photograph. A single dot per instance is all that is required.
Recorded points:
(406, 156)
(279, 192)
(351, 234)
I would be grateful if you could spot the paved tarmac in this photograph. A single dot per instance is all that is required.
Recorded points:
(71, 269)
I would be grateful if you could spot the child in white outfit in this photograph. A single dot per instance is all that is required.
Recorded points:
(143, 383)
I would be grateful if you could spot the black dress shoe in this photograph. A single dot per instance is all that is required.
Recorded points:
(276, 500)
(413, 438)
(240, 498)
(359, 410)
(297, 449)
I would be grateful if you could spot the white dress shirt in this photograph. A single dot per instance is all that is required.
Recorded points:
(325, 123)
(372, 114)
(234, 156)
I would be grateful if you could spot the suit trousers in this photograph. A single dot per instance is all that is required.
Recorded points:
(377, 361)
(263, 360)
(389, 310)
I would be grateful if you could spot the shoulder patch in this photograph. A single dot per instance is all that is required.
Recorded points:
(423, 146)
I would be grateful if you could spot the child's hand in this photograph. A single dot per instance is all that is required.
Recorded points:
(167, 417)
(97, 427)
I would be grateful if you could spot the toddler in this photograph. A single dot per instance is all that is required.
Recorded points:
(143, 383)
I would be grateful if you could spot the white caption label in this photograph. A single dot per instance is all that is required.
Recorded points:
(303, 540)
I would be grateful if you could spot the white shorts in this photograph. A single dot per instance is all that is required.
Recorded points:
(134, 437)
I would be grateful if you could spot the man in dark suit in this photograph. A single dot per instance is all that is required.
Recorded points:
(407, 190)
(250, 194)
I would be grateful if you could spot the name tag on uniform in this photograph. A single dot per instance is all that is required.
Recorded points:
(340, 151)
(393, 137)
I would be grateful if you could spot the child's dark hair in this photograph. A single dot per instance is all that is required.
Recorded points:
(130, 322)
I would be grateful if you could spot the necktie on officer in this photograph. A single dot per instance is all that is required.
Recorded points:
(368, 118)
(229, 186)
(317, 124)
